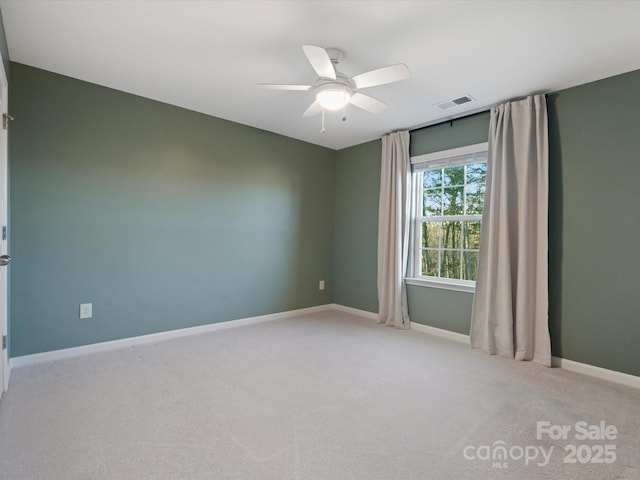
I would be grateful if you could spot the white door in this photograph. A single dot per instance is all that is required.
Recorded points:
(4, 362)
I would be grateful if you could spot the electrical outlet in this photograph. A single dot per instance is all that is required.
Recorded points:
(86, 310)
(321, 285)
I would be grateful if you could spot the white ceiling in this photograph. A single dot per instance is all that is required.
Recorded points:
(208, 56)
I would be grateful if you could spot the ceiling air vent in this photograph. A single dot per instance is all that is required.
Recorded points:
(454, 102)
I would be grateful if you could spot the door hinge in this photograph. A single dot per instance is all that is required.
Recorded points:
(5, 120)
(4, 342)
(4, 232)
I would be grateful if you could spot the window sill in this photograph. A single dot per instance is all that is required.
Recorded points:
(443, 284)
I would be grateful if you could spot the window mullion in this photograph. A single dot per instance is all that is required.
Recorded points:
(426, 225)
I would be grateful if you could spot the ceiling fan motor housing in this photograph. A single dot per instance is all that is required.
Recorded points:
(336, 55)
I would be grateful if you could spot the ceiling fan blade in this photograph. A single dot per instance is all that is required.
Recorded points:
(367, 103)
(320, 61)
(314, 109)
(280, 86)
(382, 76)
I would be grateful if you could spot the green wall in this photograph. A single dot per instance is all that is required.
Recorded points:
(457, 133)
(356, 231)
(163, 218)
(594, 306)
(594, 223)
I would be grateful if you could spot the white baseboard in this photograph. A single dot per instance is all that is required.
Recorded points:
(597, 372)
(437, 332)
(355, 311)
(156, 337)
(9, 370)
(440, 332)
(569, 365)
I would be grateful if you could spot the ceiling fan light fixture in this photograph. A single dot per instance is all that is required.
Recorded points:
(334, 97)
(333, 90)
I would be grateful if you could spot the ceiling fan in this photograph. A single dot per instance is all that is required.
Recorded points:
(334, 90)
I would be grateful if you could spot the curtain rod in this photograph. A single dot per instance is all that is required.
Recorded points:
(435, 123)
(450, 120)
(470, 114)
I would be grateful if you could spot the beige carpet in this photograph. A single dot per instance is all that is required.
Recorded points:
(323, 396)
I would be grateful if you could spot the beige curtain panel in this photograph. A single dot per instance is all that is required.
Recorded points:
(393, 230)
(510, 308)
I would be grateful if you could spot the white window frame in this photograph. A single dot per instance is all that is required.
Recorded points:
(442, 159)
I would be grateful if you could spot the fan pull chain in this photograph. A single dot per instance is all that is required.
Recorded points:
(322, 129)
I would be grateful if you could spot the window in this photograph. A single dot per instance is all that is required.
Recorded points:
(450, 189)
